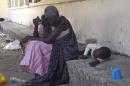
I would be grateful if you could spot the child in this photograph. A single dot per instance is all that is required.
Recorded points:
(36, 54)
(98, 52)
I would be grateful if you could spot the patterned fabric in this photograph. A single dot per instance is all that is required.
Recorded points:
(63, 49)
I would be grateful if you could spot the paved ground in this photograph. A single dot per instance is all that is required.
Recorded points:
(81, 74)
(9, 61)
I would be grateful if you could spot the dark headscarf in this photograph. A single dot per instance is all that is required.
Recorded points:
(51, 15)
(51, 11)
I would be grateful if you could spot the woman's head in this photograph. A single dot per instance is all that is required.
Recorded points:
(102, 53)
(51, 13)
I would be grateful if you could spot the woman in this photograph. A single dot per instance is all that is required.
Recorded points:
(59, 37)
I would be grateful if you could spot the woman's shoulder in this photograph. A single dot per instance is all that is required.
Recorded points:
(64, 22)
(63, 18)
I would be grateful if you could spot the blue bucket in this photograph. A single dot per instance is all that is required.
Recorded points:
(116, 73)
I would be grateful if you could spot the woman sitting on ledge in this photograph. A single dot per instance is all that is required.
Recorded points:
(46, 52)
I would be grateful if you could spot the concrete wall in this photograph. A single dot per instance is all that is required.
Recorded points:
(3, 8)
(108, 21)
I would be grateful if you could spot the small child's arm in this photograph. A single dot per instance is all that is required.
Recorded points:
(89, 47)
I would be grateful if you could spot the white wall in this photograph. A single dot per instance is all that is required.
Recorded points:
(3, 8)
(108, 21)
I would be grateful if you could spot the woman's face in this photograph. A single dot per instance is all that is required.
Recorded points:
(52, 19)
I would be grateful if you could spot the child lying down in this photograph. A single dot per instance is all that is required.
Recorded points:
(98, 53)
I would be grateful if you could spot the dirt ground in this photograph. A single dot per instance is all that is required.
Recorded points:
(9, 65)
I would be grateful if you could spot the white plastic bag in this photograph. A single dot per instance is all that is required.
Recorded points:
(18, 80)
(13, 45)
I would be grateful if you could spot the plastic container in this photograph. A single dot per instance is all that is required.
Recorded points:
(2, 80)
(116, 73)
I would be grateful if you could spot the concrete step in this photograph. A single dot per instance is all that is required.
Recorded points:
(15, 30)
(83, 75)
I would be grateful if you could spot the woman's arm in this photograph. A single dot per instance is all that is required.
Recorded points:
(52, 37)
(63, 25)
(36, 23)
(35, 33)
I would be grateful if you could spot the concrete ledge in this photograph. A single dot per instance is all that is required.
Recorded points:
(83, 75)
(15, 30)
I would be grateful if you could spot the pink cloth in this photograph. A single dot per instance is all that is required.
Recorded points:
(36, 57)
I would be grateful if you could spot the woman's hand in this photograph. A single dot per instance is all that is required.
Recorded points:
(36, 21)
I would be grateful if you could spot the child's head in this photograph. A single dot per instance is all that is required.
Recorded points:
(102, 53)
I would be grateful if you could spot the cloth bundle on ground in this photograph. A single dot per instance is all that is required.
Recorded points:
(13, 45)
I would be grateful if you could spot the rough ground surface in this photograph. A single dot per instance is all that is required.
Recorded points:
(9, 61)
(81, 74)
